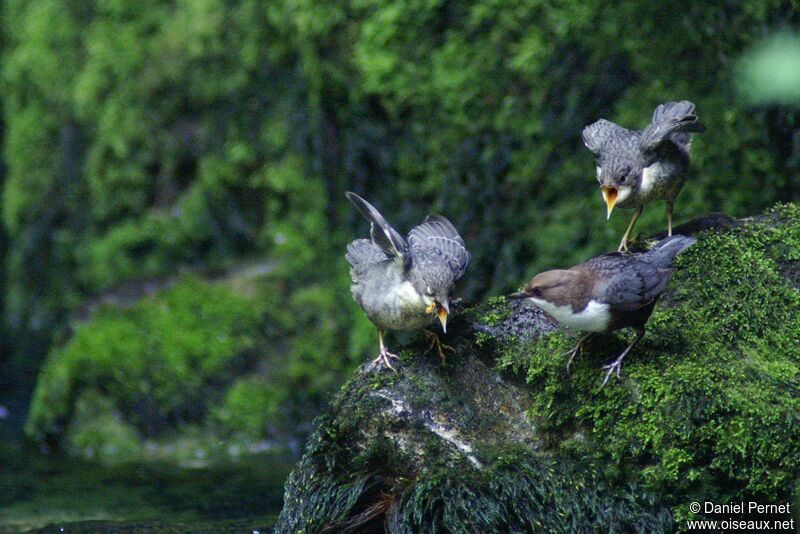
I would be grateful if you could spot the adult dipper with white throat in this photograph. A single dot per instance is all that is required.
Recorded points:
(607, 293)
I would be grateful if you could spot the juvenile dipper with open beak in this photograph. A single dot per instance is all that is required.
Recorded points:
(636, 168)
(606, 293)
(405, 285)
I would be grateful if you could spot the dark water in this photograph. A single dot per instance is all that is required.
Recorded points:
(49, 493)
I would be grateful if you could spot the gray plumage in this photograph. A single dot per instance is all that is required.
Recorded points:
(635, 168)
(628, 282)
(402, 283)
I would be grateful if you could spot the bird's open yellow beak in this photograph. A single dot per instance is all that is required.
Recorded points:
(441, 311)
(610, 196)
(443, 318)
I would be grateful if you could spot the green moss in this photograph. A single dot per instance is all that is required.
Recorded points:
(163, 361)
(496, 311)
(98, 430)
(332, 488)
(250, 406)
(708, 402)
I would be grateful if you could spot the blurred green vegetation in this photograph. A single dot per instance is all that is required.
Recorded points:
(146, 139)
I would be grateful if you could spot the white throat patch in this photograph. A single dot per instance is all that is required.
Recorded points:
(651, 175)
(594, 318)
(623, 193)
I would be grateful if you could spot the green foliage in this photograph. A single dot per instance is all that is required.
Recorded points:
(249, 406)
(196, 364)
(162, 361)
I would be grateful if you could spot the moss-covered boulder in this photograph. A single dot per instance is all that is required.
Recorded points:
(170, 376)
(503, 439)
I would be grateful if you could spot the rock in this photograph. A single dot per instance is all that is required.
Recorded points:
(502, 439)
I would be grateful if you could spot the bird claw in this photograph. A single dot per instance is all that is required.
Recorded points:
(577, 350)
(616, 365)
(436, 342)
(385, 357)
(572, 354)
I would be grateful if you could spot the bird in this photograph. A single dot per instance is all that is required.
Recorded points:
(405, 284)
(636, 168)
(606, 293)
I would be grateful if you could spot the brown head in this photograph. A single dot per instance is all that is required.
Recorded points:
(560, 288)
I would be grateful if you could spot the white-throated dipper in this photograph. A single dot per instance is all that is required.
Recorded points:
(405, 285)
(636, 168)
(606, 293)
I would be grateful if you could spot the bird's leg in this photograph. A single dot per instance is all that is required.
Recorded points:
(669, 218)
(623, 246)
(616, 365)
(578, 348)
(384, 356)
(440, 347)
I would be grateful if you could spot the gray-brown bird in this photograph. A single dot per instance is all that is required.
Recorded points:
(636, 168)
(405, 285)
(606, 293)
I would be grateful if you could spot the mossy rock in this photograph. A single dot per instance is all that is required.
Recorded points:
(167, 377)
(503, 439)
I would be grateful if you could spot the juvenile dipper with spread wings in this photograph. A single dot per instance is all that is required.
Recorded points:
(404, 284)
(636, 168)
(606, 293)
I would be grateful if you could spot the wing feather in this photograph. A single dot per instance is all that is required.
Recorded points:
(382, 233)
(672, 121)
(439, 234)
(601, 134)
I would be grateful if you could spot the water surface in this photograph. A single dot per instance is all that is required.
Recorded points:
(48, 493)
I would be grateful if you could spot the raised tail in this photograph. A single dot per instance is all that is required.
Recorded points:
(672, 121)
(663, 254)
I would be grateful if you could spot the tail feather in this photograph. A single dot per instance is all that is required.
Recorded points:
(665, 251)
(673, 110)
(673, 121)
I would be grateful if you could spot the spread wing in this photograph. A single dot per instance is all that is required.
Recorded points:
(603, 135)
(629, 282)
(436, 234)
(672, 121)
(382, 233)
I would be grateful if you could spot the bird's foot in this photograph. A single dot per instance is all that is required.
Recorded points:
(437, 343)
(573, 353)
(578, 349)
(616, 365)
(385, 358)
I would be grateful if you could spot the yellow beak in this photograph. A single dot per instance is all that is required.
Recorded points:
(443, 318)
(610, 196)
